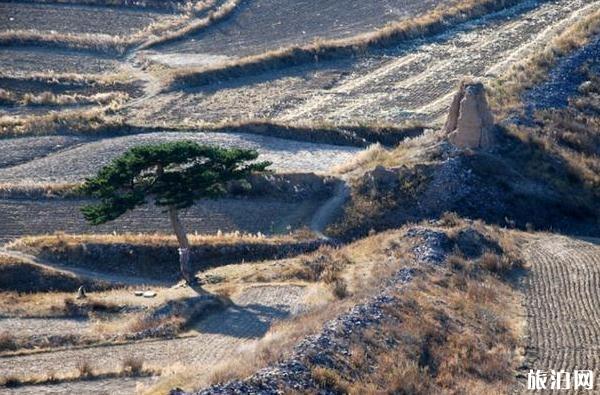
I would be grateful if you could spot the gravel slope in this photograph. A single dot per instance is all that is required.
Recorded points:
(562, 296)
(214, 338)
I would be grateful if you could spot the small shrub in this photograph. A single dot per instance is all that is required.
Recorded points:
(133, 365)
(339, 288)
(84, 368)
(8, 342)
(329, 379)
(11, 382)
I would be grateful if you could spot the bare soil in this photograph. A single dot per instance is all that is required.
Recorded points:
(212, 339)
(20, 217)
(24, 61)
(74, 18)
(73, 165)
(562, 296)
(412, 81)
(261, 25)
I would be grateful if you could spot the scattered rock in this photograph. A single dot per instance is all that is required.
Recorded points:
(470, 123)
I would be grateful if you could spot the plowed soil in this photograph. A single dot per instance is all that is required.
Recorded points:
(562, 298)
(412, 81)
(213, 338)
(73, 18)
(21, 217)
(16, 61)
(262, 25)
(72, 165)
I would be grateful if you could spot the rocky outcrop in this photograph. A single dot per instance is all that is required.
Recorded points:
(470, 123)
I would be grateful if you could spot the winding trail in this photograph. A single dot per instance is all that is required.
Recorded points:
(326, 213)
(562, 295)
(80, 272)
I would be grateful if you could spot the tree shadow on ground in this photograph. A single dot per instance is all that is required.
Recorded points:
(249, 321)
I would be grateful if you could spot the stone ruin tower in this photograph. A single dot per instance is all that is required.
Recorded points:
(470, 123)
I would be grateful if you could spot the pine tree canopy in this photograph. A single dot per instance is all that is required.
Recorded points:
(174, 174)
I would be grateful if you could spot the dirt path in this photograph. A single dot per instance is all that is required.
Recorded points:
(562, 298)
(325, 214)
(214, 338)
(80, 272)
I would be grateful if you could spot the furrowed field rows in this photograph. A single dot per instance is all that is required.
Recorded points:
(74, 18)
(412, 81)
(20, 217)
(24, 61)
(214, 338)
(73, 165)
(562, 299)
(262, 25)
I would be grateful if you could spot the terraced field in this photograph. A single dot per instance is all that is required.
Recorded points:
(68, 18)
(412, 81)
(23, 61)
(214, 338)
(20, 217)
(74, 164)
(561, 300)
(262, 25)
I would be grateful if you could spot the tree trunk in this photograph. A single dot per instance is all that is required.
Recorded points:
(184, 246)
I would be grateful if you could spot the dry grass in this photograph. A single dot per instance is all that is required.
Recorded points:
(101, 43)
(452, 331)
(89, 121)
(85, 371)
(432, 22)
(453, 335)
(505, 92)
(366, 264)
(52, 99)
(72, 78)
(36, 189)
(160, 30)
(144, 239)
(194, 26)
(57, 305)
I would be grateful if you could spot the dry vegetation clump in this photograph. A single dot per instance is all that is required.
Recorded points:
(130, 367)
(55, 305)
(49, 98)
(52, 99)
(88, 121)
(368, 263)
(429, 23)
(505, 92)
(101, 43)
(448, 334)
(71, 79)
(31, 189)
(194, 26)
(155, 255)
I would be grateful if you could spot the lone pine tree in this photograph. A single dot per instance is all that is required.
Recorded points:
(174, 175)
